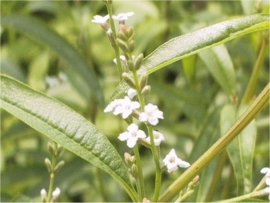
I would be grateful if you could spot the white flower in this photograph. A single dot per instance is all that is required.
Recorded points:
(158, 138)
(100, 19)
(43, 193)
(131, 93)
(56, 193)
(151, 114)
(112, 105)
(132, 135)
(266, 171)
(122, 16)
(122, 106)
(172, 162)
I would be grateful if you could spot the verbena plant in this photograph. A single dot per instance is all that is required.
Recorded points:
(208, 118)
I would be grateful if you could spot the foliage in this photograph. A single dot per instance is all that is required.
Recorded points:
(208, 67)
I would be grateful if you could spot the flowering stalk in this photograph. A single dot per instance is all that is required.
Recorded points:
(114, 45)
(53, 167)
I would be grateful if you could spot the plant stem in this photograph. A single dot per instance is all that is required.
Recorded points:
(157, 163)
(218, 147)
(52, 177)
(139, 175)
(244, 197)
(252, 84)
(114, 45)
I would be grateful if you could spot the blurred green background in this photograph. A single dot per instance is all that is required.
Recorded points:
(185, 91)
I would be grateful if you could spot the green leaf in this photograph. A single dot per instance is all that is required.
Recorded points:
(241, 150)
(219, 63)
(43, 34)
(64, 126)
(189, 44)
(189, 66)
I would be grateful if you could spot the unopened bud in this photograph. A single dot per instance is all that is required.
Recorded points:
(122, 45)
(138, 61)
(130, 33)
(131, 46)
(48, 164)
(130, 65)
(134, 170)
(51, 148)
(129, 159)
(143, 79)
(128, 79)
(146, 90)
(60, 149)
(59, 166)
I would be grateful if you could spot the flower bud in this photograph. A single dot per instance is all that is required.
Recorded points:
(146, 90)
(122, 45)
(129, 80)
(131, 46)
(48, 164)
(130, 33)
(59, 166)
(51, 148)
(59, 151)
(130, 65)
(129, 159)
(143, 79)
(138, 61)
(134, 170)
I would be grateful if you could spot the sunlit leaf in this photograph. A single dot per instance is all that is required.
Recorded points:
(191, 43)
(64, 126)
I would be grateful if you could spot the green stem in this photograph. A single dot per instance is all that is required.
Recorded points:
(157, 163)
(52, 178)
(218, 147)
(139, 176)
(114, 45)
(138, 89)
(251, 87)
(244, 197)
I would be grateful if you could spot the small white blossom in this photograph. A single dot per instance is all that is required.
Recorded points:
(56, 193)
(43, 193)
(132, 134)
(131, 93)
(122, 106)
(100, 19)
(151, 114)
(112, 105)
(122, 16)
(266, 171)
(172, 162)
(158, 138)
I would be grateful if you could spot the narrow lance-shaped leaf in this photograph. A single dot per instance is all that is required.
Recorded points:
(64, 126)
(219, 63)
(188, 44)
(191, 43)
(241, 150)
(43, 34)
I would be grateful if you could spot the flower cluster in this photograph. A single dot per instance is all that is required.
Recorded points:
(266, 171)
(128, 107)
